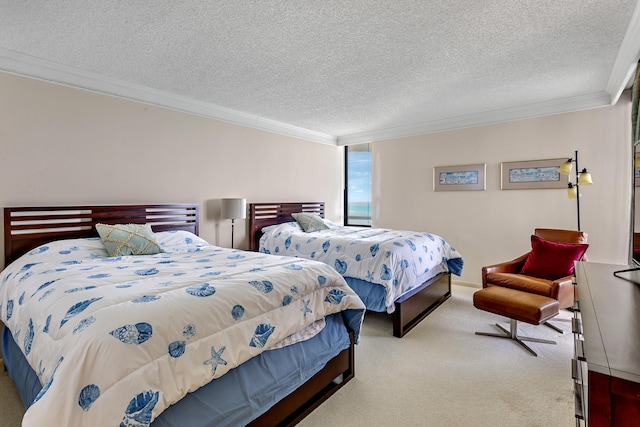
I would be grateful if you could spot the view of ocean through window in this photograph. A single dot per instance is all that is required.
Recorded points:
(358, 179)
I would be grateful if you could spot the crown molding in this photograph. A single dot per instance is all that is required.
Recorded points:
(29, 66)
(625, 65)
(558, 106)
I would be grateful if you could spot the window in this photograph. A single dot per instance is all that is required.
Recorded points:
(357, 194)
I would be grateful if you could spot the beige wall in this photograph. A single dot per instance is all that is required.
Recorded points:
(494, 225)
(60, 145)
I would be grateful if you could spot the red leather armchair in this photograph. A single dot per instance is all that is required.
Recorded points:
(508, 274)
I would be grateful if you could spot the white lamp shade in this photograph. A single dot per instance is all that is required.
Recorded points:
(572, 192)
(233, 208)
(584, 178)
(565, 168)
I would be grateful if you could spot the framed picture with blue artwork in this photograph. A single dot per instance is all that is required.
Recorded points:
(459, 178)
(532, 174)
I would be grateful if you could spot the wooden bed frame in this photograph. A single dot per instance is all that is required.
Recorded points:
(26, 228)
(410, 308)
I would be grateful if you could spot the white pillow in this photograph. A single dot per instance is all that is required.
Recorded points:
(279, 228)
(180, 241)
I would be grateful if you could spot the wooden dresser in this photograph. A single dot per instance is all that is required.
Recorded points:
(606, 367)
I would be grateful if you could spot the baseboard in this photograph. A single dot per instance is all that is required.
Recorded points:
(467, 284)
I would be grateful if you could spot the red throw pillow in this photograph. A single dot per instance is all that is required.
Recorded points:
(551, 260)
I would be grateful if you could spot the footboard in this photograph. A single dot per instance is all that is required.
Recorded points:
(412, 307)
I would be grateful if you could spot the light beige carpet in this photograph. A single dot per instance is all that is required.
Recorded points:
(442, 374)
(11, 408)
(439, 374)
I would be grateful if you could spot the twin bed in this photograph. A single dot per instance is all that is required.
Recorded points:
(404, 273)
(190, 334)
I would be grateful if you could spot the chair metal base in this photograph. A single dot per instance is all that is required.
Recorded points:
(513, 335)
(557, 328)
(554, 327)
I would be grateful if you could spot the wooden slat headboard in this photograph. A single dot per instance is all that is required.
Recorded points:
(27, 227)
(265, 214)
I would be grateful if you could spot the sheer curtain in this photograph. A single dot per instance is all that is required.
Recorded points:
(635, 150)
(635, 99)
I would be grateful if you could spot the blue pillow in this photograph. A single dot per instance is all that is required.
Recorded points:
(128, 239)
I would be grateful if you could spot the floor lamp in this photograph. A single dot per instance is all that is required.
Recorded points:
(233, 209)
(582, 178)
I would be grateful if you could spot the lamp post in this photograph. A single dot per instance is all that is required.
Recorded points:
(582, 178)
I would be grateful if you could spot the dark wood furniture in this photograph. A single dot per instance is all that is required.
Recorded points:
(26, 228)
(606, 367)
(265, 214)
(410, 308)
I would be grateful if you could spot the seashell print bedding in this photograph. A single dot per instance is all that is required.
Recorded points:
(395, 259)
(117, 340)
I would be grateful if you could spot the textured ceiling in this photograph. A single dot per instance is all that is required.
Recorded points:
(332, 70)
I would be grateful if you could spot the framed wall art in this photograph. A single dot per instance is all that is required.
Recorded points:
(459, 178)
(532, 174)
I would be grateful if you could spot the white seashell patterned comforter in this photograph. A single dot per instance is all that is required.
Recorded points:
(396, 259)
(115, 341)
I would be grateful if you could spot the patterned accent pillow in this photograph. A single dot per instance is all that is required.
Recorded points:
(128, 239)
(310, 222)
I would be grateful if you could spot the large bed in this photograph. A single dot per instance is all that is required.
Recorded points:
(184, 334)
(404, 273)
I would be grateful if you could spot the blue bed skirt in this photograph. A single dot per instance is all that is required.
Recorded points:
(372, 295)
(238, 397)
